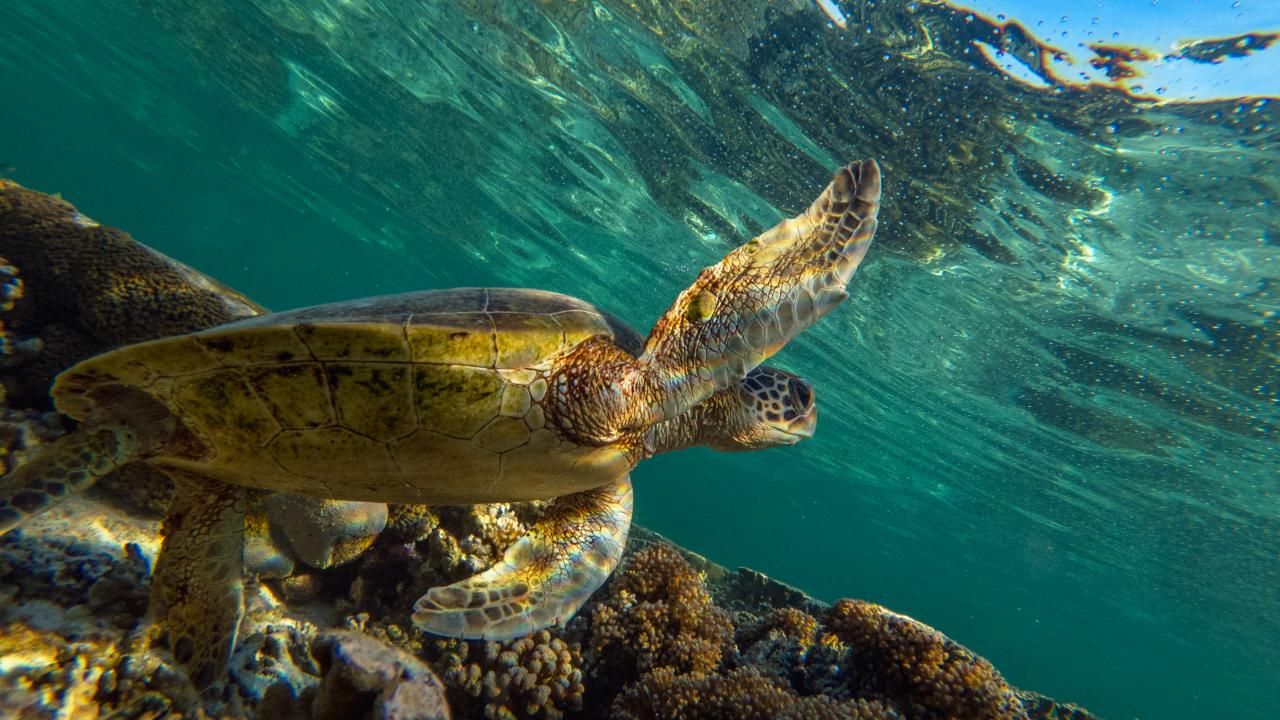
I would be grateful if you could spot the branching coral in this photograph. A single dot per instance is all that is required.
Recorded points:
(922, 671)
(537, 676)
(411, 523)
(782, 622)
(657, 613)
(744, 694)
(457, 542)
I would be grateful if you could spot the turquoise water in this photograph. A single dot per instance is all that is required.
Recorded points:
(1048, 411)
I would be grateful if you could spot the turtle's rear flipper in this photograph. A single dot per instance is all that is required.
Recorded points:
(544, 577)
(197, 587)
(63, 468)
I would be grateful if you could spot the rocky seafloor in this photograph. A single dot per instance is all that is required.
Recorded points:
(327, 633)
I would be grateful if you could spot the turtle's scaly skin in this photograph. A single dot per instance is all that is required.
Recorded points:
(508, 599)
(197, 585)
(746, 307)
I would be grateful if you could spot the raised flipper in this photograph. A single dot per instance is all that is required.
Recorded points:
(63, 468)
(745, 308)
(544, 578)
(197, 587)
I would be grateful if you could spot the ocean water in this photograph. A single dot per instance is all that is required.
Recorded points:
(1048, 410)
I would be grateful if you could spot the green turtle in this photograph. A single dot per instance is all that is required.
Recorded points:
(460, 396)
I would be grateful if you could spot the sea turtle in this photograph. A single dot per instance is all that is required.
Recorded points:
(449, 397)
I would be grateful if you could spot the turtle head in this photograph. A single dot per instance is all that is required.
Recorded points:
(769, 408)
(745, 308)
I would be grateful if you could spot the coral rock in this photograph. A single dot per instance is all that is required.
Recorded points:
(322, 532)
(365, 678)
(1039, 707)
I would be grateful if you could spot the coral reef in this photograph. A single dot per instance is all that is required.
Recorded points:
(61, 672)
(71, 288)
(11, 290)
(784, 622)
(657, 613)
(411, 523)
(925, 673)
(656, 621)
(22, 431)
(72, 588)
(657, 645)
(537, 676)
(744, 694)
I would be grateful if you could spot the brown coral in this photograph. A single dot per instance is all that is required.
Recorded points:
(744, 694)
(536, 676)
(85, 288)
(657, 613)
(90, 287)
(923, 672)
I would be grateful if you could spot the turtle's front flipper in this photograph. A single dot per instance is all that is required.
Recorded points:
(197, 587)
(746, 307)
(67, 466)
(544, 577)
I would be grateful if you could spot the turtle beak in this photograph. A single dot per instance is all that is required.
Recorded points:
(801, 394)
(802, 427)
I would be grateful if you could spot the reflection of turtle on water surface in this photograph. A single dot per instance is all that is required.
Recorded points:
(449, 397)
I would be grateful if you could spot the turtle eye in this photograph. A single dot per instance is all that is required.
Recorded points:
(801, 393)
